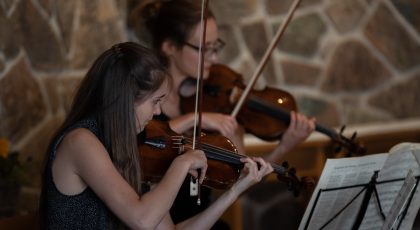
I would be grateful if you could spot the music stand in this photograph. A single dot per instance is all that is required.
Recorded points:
(369, 188)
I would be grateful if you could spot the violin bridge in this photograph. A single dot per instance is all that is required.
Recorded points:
(177, 143)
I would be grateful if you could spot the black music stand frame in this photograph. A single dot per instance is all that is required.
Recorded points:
(370, 189)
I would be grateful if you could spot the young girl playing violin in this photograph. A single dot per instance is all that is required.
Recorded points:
(174, 26)
(92, 178)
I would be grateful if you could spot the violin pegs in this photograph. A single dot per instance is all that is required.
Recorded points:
(342, 129)
(337, 149)
(285, 164)
(307, 182)
(353, 137)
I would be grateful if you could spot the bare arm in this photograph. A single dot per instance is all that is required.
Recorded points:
(87, 163)
(182, 123)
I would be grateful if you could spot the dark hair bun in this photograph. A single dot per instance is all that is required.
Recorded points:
(149, 13)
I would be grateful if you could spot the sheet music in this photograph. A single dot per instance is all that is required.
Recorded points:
(338, 173)
(359, 170)
(401, 159)
(401, 202)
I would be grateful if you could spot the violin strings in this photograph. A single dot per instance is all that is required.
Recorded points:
(218, 153)
(215, 148)
(234, 156)
(227, 153)
(212, 153)
(223, 154)
(177, 143)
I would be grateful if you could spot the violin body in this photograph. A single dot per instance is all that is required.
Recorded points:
(161, 146)
(221, 91)
(265, 113)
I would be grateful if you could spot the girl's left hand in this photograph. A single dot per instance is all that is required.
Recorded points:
(299, 129)
(254, 170)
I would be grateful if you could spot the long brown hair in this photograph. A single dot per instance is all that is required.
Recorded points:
(121, 75)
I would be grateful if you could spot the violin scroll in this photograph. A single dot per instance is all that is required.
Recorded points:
(292, 181)
(350, 144)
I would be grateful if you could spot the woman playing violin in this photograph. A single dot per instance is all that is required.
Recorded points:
(174, 27)
(92, 178)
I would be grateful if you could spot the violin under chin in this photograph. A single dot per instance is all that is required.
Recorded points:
(140, 128)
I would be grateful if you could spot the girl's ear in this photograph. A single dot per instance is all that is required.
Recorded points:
(168, 47)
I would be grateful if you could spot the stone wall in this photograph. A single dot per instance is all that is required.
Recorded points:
(345, 61)
(46, 47)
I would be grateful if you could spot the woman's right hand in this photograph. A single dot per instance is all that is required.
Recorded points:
(225, 124)
(197, 161)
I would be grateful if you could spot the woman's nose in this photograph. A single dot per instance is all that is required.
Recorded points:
(157, 111)
(212, 57)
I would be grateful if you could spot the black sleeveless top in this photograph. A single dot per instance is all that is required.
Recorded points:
(81, 211)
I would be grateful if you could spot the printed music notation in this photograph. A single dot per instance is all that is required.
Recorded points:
(339, 184)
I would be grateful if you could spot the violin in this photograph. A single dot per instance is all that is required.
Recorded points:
(159, 146)
(265, 114)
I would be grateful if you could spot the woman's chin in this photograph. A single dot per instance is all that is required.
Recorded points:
(139, 129)
(206, 73)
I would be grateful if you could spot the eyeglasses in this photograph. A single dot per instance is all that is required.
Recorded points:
(210, 49)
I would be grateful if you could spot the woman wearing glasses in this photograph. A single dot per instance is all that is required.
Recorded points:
(174, 28)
